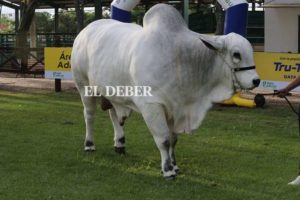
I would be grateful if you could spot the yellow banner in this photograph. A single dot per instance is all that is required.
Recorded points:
(283, 67)
(58, 59)
(274, 68)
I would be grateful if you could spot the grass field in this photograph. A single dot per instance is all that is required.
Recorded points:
(237, 153)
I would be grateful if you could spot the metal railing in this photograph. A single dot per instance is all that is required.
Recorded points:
(29, 60)
(43, 39)
(22, 60)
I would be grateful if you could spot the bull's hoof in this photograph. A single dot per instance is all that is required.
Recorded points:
(170, 178)
(89, 146)
(295, 182)
(120, 150)
(169, 175)
(90, 149)
(176, 169)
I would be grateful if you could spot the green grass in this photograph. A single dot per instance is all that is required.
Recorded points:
(237, 153)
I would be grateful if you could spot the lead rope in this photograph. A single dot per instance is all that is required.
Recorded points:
(298, 114)
(291, 106)
(294, 110)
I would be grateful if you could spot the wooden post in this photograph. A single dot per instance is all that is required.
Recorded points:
(98, 9)
(17, 19)
(186, 11)
(57, 83)
(79, 7)
(56, 20)
(220, 16)
(299, 34)
(32, 30)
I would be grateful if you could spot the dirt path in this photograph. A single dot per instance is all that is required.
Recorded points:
(13, 82)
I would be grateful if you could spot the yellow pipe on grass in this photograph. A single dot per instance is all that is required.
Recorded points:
(236, 99)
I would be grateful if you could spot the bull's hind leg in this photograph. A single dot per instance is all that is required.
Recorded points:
(119, 137)
(89, 111)
(173, 141)
(156, 121)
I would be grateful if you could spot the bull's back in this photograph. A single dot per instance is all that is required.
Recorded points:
(100, 51)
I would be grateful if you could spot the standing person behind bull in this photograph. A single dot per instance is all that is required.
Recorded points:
(281, 93)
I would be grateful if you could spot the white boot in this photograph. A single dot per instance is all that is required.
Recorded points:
(295, 182)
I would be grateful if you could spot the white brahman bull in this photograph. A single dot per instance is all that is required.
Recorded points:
(186, 72)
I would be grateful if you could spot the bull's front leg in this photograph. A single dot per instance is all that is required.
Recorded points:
(156, 121)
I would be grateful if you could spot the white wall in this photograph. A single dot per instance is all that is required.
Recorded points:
(10, 16)
(282, 2)
(281, 29)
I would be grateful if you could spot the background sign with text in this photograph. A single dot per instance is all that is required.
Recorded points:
(58, 63)
(276, 70)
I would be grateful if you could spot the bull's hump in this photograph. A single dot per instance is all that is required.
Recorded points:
(164, 16)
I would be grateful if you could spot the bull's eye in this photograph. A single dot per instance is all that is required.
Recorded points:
(237, 55)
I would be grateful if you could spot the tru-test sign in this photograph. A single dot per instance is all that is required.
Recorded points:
(276, 70)
(58, 63)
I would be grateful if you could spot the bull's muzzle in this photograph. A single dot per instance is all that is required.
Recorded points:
(256, 82)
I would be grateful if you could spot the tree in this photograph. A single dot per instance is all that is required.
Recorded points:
(44, 22)
(6, 25)
(27, 12)
(67, 21)
(88, 18)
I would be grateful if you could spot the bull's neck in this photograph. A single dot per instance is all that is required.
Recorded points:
(201, 70)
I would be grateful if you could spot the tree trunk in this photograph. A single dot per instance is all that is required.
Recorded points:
(27, 13)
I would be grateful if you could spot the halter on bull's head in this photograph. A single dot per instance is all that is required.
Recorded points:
(237, 54)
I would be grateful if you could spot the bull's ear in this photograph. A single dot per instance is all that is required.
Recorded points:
(211, 43)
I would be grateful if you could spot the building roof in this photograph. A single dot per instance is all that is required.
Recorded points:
(88, 3)
(52, 3)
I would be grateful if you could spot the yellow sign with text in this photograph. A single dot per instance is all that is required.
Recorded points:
(274, 69)
(277, 66)
(277, 70)
(58, 63)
